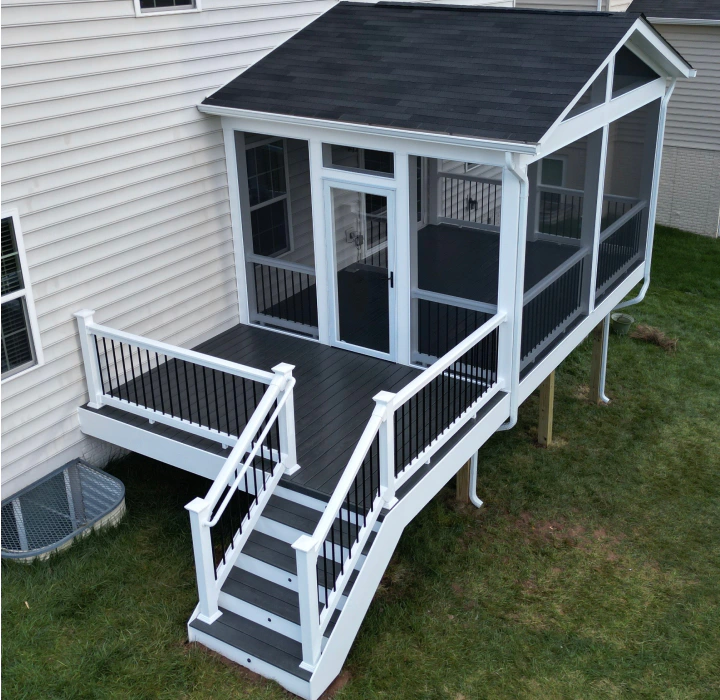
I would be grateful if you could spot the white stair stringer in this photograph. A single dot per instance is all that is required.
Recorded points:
(397, 519)
(253, 637)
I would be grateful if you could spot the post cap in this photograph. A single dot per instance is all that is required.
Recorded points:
(84, 313)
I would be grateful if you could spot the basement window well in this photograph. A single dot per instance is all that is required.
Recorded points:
(50, 514)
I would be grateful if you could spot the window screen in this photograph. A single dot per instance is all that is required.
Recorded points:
(630, 72)
(17, 345)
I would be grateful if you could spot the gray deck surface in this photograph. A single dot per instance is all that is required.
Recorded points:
(333, 397)
(463, 262)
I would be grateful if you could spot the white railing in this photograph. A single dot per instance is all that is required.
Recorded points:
(227, 402)
(559, 211)
(441, 400)
(469, 201)
(242, 489)
(199, 394)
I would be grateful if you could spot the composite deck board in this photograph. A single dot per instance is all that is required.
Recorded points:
(333, 396)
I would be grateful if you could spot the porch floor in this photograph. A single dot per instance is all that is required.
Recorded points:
(333, 397)
(463, 262)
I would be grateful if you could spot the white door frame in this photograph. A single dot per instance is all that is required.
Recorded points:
(331, 261)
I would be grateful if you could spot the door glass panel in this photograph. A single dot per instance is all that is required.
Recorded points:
(360, 230)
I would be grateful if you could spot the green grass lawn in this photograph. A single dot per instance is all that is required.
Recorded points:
(593, 571)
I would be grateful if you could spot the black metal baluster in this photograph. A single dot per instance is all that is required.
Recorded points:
(117, 374)
(177, 381)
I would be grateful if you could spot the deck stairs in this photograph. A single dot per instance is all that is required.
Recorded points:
(260, 623)
(260, 627)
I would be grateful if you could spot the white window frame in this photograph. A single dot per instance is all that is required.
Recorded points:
(564, 160)
(139, 12)
(286, 196)
(25, 292)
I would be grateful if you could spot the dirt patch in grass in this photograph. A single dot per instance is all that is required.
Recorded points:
(654, 336)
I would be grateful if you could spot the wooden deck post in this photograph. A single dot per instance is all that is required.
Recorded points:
(596, 364)
(462, 484)
(547, 404)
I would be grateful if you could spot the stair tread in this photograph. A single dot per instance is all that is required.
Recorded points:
(263, 594)
(271, 551)
(258, 641)
(268, 596)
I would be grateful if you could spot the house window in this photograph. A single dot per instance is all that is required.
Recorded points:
(269, 202)
(552, 172)
(361, 159)
(20, 346)
(145, 7)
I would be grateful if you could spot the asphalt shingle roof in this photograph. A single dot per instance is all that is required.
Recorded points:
(465, 71)
(678, 9)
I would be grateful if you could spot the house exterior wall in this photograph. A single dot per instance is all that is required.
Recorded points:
(690, 181)
(587, 5)
(121, 188)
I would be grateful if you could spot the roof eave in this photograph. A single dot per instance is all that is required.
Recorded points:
(526, 148)
(686, 20)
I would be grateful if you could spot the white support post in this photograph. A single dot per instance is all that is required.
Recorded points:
(402, 270)
(591, 218)
(384, 406)
(306, 557)
(90, 358)
(286, 421)
(317, 196)
(533, 201)
(204, 566)
(512, 247)
(239, 204)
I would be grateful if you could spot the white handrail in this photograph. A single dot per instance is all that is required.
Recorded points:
(178, 353)
(450, 357)
(470, 178)
(448, 300)
(622, 220)
(238, 463)
(244, 441)
(558, 272)
(280, 264)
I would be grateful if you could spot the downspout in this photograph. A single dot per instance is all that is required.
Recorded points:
(517, 318)
(650, 236)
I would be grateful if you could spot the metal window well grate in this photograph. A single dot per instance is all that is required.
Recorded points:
(51, 513)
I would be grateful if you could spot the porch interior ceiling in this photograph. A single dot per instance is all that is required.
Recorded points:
(488, 73)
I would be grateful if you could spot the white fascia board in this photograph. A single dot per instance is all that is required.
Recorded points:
(666, 60)
(646, 41)
(474, 150)
(681, 20)
(593, 119)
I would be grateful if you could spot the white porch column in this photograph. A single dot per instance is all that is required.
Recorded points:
(322, 285)
(402, 270)
(510, 286)
(236, 214)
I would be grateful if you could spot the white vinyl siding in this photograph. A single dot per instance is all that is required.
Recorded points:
(693, 119)
(121, 186)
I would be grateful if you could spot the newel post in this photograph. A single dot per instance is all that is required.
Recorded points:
(286, 420)
(90, 358)
(384, 406)
(306, 556)
(204, 564)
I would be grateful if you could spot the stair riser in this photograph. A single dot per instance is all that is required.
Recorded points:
(286, 680)
(271, 573)
(301, 498)
(260, 616)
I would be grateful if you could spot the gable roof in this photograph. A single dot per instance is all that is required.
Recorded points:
(503, 74)
(678, 9)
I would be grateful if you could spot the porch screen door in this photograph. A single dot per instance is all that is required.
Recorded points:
(362, 264)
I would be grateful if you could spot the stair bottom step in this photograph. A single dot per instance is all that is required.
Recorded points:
(256, 641)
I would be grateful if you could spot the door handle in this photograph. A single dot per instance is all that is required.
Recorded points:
(391, 279)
